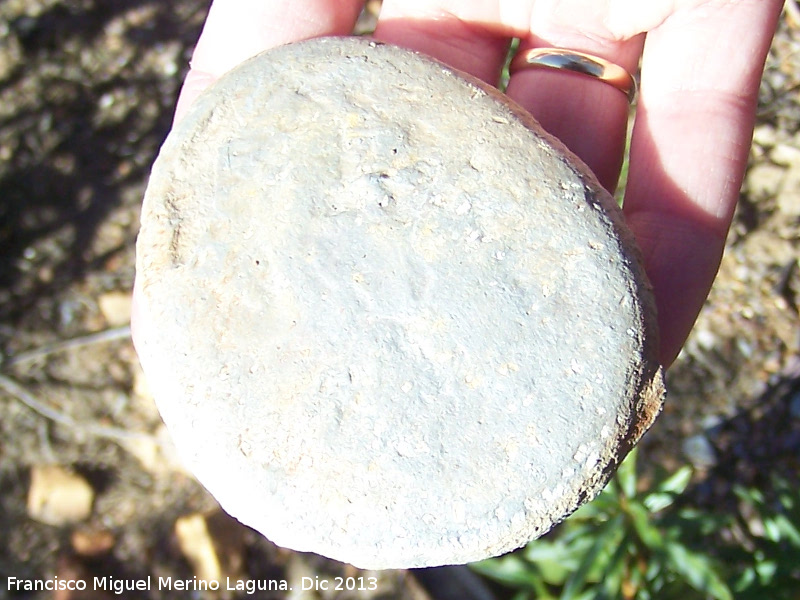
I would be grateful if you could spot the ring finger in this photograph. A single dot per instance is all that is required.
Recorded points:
(588, 115)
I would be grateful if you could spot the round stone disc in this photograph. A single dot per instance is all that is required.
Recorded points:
(385, 316)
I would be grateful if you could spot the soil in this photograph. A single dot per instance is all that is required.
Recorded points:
(87, 89)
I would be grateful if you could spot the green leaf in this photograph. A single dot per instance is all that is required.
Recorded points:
(626, 474)
(700, 522)
(697, 571)
(601, 508)
(510, 570)
(787, 496)
(766, 570)
(505, 74)
(637, 579)
(614, 574)
(771, 530)
(658, 501)
(605, 542)
(668, 490)
(555, 560)
(786, 530)
(749, 495)
(647, 532)
(677, 482)
(611, 489)
(745, 580)
(577, 535)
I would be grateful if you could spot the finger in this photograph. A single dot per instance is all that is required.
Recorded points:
(588, 115)
(472, 36)
(236, 30)
(690, 146)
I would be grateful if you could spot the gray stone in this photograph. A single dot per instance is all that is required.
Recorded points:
(699, 451)
(391, 320)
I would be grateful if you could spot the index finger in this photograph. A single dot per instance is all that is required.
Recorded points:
(236, 30)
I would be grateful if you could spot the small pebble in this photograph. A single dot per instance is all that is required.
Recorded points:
(58, 497)
(116, 307)
(92, 543)
(197, 546)
(699, 451)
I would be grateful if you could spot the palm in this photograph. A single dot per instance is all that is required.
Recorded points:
(700, 66)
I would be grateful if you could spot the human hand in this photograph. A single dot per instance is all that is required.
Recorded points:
(701, 64)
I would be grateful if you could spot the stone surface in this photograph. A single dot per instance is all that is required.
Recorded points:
(385, 317)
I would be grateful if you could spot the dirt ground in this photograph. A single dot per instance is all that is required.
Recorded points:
(87, 89)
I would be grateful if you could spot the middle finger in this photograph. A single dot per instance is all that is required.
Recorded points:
(468, 35)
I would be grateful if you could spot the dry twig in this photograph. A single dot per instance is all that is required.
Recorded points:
(28, 399)
(117, 333)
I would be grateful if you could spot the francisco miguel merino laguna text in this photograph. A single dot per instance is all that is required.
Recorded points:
(120, 586)
(250, 586)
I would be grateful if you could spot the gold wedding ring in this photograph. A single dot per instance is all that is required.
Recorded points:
(577, 62)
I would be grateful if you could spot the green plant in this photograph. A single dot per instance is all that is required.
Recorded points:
(768, 554)
(505, 74)
(624, 544)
